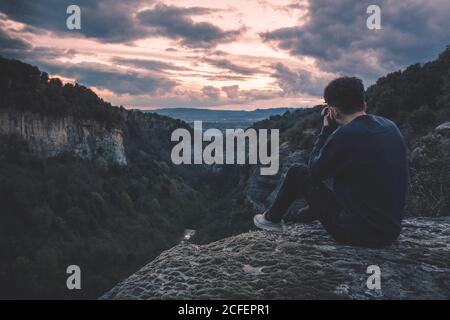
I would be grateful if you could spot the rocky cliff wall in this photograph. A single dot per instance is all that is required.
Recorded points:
(51, 136)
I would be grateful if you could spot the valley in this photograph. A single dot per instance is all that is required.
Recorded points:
(102, 192)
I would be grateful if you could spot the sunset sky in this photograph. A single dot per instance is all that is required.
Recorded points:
(233, 54)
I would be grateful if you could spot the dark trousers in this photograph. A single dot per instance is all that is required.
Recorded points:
(324, 205)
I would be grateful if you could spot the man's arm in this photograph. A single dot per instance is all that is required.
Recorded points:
(323, 160)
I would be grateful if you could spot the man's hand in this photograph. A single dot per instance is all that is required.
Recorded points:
(325, 116)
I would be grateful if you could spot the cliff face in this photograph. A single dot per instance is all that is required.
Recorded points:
(303, 263)
(52, 136)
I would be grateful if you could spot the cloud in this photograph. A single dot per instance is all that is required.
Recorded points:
(8, 42)
(14, 47)
(108, 20)
(97, 75)
(176, 23)
(118, 21)
(154, 65)
(102, 76)
(293, 82)
(224, 77)
(228, 65)
(234, 95)
(255, 94)
(232, 92)
(211, 92)
(192, 60)
(335, 33)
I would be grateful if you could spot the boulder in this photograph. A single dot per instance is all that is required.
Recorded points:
(443, 128)
(303, 263)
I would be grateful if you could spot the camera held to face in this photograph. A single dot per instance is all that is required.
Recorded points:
(326, 112)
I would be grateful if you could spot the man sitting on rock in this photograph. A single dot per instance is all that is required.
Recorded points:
(365, 158)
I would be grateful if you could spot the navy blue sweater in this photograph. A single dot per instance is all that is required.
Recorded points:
(366, 159)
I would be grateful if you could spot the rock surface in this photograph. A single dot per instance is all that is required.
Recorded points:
(443, 128)
(303, 263)
(51, 136)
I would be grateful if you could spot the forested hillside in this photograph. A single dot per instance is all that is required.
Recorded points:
(106, 218)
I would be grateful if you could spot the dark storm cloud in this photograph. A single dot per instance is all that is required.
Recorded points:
(100, 76)
(293, 82)
(176, 23)
(12, 46)
(231, 66)
(336, 34)
(89, 74)
(10, 43)
(17, 48)
(121, 21)
(108, 20)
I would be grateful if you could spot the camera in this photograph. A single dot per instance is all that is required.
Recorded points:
(326, 112)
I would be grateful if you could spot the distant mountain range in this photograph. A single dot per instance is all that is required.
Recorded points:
(221, 116)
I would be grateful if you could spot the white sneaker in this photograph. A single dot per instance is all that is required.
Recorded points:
(261, 222)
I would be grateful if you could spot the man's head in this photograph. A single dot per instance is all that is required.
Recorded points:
(346, 97)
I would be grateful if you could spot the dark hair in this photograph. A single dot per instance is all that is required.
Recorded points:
(346, 94)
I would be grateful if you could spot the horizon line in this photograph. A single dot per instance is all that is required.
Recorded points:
(213, 109)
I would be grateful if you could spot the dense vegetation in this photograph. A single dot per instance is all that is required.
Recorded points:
(109, 220)
(64, 211)
(417, 98)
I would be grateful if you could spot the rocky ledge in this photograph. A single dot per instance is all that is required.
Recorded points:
(303, 263)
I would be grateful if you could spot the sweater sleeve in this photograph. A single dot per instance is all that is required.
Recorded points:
(324, 160)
